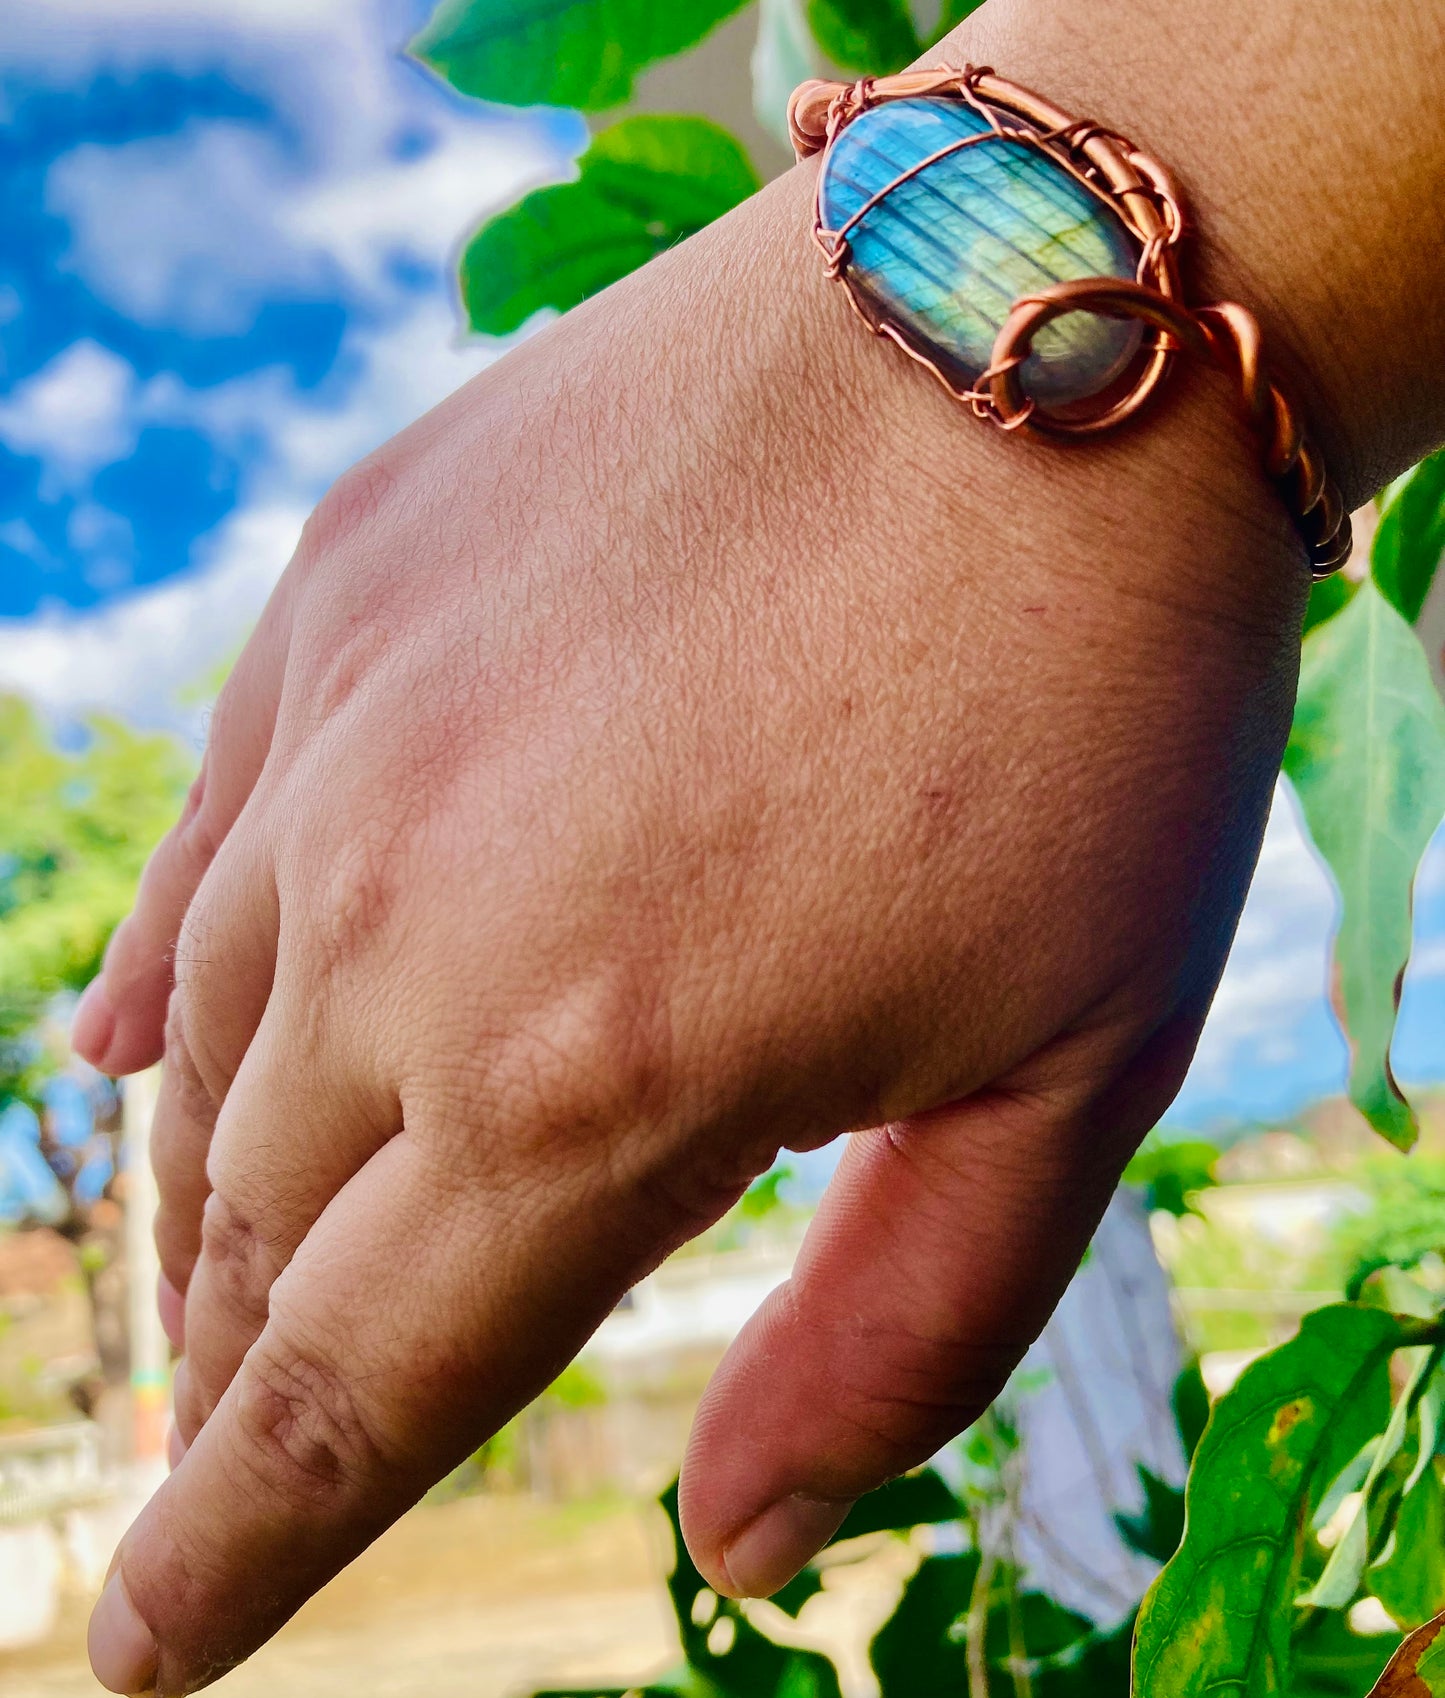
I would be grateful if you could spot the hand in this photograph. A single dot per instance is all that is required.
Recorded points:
(670, 749)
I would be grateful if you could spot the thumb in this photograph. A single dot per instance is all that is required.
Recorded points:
(938, 1253)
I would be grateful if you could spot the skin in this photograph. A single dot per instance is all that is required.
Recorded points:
(680, 746)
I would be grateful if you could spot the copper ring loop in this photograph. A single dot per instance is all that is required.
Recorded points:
(1111, 297)
(1145, 196)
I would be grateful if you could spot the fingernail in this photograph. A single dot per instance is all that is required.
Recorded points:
(93, 1027)
(774, 1545)
(123, 1653)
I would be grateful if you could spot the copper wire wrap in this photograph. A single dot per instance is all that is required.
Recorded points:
(1147, 199)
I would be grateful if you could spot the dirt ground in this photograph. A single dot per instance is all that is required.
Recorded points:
(479, 1598)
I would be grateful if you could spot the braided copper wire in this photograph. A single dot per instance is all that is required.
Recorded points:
(1145, 196)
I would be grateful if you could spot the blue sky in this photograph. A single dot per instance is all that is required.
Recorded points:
(230, 227)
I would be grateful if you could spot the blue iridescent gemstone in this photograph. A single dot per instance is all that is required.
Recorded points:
(948, 252)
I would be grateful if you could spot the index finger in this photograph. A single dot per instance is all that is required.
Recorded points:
(418, 1315)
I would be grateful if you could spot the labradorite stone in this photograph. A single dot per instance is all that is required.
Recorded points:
(949, 251)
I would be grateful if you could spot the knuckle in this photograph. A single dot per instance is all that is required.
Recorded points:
(604, 1045)
(353, 892)
(353, 502)
(304, 1437)
(242, 1260)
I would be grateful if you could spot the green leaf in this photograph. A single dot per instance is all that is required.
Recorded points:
(1417, 1669)
(582, 53)
(643, 185)
(953, 14)
(1327, 598)
(875, 37)
(1336, 1587)
(1366, 756)
(916, 1653)
(1171, 1172)
(1159, 1526)
(1411, 536)
(1219, 1617)
(1409, 1580)
(1333, 1661)
(727, 1657)
(805, 1584)
(912, 1500)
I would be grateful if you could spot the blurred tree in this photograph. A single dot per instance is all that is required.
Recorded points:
(76, 825)
(77, 820)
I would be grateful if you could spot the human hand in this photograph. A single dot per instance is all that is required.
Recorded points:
(662, 753)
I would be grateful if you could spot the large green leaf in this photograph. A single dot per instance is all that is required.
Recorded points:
(1218, 1618)
(582, 53)
(1411, 536)
(1367, 759)
(643, 185)
(873, 36)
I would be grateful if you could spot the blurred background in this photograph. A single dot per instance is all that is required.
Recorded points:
(231, 234)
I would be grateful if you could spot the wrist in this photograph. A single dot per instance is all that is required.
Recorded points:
(1306, 154)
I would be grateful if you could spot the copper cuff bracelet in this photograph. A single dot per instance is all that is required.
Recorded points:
(1038, 281)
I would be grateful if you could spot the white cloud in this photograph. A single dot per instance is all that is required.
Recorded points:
(137, 653)
(73, 412)
(180, 230)
(1428, 961)
(368, 165)
(1278, 969)
(195, 230)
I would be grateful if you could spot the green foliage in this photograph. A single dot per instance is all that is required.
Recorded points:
(877, 37)
(1367, 759)
(1028, 1642)
(1220, 1615)
(1411, 536)
(582, 53)
(1171, 1172)
(1331, 1660)
(643, 185)
(724, 1655)
(764, 1198)
(1327, 598)
(75, 830)
(1379, 1497)
(1409, 1576)
(1404, 1224)
(874, 36)
(912, 1500)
